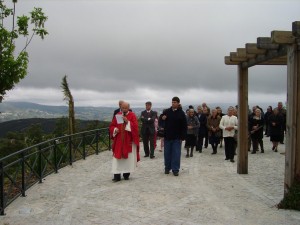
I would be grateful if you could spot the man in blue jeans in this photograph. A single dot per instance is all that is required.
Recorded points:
(175, 132)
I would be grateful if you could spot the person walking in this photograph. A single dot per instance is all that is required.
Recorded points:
(175, 133)
(220, 114)
(148, 117)
(202, 129)
(229, 124)
(266, 118)
(124, 132)
(161, 130)
(282, 112)
(214, 132)
(192, 131)
(276, 123)
(256, 131)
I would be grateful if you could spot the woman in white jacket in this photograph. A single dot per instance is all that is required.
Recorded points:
(229, 124)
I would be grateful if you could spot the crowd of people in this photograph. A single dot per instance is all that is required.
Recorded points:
(198, 128)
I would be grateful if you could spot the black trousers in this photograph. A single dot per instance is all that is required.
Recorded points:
(148, 139)
(199, 142)
(229, 147)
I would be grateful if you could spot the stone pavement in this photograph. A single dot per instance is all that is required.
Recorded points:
(208, 190)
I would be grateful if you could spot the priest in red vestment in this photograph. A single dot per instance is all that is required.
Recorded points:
(124, 132)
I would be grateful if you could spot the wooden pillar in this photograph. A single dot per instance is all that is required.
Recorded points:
(242, 163)
(292, 153)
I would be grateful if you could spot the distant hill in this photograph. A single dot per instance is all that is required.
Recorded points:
(25, 110)
(47, 125)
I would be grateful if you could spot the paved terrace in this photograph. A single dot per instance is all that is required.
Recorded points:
(208, 190)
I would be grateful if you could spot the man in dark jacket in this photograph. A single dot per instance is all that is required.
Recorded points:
(148, 117)
(202, 129)
(175, 132)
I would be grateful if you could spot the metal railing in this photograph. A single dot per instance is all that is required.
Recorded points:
(22, 169)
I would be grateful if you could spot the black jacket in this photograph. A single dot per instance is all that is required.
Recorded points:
(148, 122)
(175, 124)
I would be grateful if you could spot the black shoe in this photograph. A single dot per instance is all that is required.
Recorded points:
(281, 142)
(167, 171)
(200, 151)
(262, 151)
(273, 148)
(146, 155)
(214, 153)
(253, 152)
(187, 156)
(232, 160)
(117, 177)
(175, 174)
(226, 158)
(191, 155)
(126, 176)
(152, 156)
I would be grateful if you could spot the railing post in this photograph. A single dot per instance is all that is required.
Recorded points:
(83, 145)
(2, 206)
(97, 140)
(55, 156)
(23, 174)
(70, 150)
(109, 142)
(40, 165)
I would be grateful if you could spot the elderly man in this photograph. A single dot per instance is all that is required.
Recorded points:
(229, 124)
(124, 132)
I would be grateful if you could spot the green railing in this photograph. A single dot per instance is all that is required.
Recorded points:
(22, 169)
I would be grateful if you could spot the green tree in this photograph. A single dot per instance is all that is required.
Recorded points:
(34, 135)
(13, 65)
(68, 97)
(61, 127)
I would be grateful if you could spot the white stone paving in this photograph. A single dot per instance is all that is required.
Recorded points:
(208, 190)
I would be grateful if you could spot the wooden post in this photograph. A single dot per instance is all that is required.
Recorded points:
(292, 153)
(242, 166)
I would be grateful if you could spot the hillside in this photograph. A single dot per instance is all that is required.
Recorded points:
(47, 125)
(25, 110)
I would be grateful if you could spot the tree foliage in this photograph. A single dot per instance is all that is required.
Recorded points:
(68, 97)
(13, 65)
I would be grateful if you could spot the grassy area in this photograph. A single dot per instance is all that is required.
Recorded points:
(291, 200)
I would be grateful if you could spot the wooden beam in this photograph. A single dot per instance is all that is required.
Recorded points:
(282, 37)
(241, 52)
(292, 150)
(296, 29)
(262, 59)
(229, 62)
(266, 43)
(251, 48)
(242, 163)
(235, 58)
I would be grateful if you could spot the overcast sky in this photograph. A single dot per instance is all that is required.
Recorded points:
(142, 50)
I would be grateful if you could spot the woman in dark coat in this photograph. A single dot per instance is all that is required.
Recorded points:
(276, 121)
(266, 118)
(214, 132)
(202, 129)
(256, 130)
(192, 131)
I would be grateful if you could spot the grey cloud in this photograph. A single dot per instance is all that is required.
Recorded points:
(114, 46)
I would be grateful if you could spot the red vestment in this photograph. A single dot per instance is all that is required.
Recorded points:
(122, 142)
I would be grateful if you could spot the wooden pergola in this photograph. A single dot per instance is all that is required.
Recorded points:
(282, 48)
